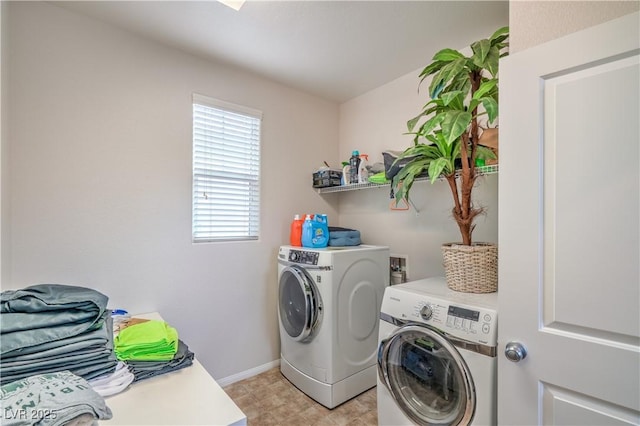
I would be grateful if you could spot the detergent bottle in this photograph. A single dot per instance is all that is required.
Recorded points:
(307, 232)
(320, 229)
(295, 236)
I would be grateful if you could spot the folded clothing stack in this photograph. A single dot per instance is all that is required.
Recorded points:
(47, 328)
(341, 237)
(151, 348)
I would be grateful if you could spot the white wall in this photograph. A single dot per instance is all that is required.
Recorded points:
(376, 122)
(100, 167)
(4, 157)
(534, 22)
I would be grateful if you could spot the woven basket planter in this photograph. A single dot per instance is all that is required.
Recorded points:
(471, 269)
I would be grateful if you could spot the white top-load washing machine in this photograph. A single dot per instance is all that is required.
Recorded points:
(328, 307)
(437, 360)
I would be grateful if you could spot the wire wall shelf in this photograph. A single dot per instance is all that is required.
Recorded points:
(483, 170)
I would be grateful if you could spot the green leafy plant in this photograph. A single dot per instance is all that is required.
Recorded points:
(464, 103)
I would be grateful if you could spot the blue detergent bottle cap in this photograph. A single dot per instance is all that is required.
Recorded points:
(355, 152)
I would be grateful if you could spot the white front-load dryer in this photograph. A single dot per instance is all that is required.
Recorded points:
(437, 360)
(328, 308)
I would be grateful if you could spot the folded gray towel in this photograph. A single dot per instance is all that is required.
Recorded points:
(48, 312)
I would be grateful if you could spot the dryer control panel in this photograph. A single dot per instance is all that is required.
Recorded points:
(471, 317)
(470, 323)
(305, 257)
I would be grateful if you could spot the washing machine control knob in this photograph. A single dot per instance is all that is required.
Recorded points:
(426, 312)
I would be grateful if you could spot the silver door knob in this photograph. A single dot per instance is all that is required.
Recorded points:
(515, 351)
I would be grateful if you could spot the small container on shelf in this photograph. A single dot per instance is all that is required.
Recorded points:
(327, 177)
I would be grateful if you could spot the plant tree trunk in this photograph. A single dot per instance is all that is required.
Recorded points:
(463, 211)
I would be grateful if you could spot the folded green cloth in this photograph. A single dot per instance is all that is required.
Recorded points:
(153, 340)
(378, 178)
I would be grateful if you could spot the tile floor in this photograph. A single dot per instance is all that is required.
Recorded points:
(270, 399)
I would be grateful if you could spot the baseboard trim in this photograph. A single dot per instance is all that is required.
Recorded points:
(248, 373)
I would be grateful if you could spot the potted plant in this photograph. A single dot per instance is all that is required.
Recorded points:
(448, 142)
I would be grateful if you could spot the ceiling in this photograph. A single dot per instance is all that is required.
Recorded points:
(334, 49)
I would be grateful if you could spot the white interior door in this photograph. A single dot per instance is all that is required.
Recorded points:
(569, 229)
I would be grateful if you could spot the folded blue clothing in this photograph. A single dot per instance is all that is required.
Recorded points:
(88, 355)
(102, 336)
(342, 237)
(48, 312)
(88, 369)
(60, 351)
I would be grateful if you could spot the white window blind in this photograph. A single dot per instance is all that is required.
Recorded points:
(226, 171)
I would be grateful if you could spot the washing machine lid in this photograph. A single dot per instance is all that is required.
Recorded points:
(426, 376)
(299, 304)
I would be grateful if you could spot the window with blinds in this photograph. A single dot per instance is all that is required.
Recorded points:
(226, 171)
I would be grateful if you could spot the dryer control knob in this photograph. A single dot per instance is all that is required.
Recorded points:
(426, 312)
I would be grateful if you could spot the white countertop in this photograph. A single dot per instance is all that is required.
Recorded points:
(189, 396)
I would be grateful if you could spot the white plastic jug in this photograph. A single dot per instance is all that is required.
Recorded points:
(363, 173)
(346, 175)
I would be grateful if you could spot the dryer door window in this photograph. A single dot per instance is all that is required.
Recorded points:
(299, 304)
(427, 376)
